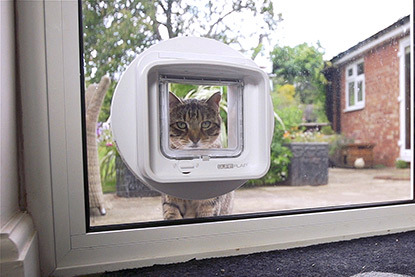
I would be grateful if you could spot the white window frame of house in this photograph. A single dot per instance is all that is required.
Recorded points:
(405, 154)
(50, 86)
(355, 78)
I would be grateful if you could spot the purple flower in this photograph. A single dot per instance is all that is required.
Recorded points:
(99, 129)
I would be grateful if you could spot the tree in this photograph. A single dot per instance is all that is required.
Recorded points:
(116, 31)
(302, 67)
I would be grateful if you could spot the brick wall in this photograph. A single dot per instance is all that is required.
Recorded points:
(378, 122)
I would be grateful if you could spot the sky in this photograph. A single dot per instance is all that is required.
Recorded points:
(337, 25)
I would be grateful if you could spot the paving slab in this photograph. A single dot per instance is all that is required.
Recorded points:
(345, 187)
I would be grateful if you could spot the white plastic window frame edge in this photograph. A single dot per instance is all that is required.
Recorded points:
(72, 251)
(359, 105)
(405, 154)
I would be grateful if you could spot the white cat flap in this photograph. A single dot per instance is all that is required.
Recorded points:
(193, 118)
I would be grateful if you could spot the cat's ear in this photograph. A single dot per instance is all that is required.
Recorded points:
(173, 100)
(214, 100)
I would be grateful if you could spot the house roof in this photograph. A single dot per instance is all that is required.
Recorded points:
(381, 36)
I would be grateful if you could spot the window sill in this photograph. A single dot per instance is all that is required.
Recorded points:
(354, 108)
(19, 247)
(405, 158)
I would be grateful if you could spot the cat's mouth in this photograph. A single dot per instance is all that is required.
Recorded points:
(194, 145)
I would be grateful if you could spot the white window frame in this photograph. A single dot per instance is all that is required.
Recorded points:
(405, 154)
(358, 105)
(50, 85)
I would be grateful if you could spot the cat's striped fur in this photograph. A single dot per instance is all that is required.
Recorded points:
(195, 124)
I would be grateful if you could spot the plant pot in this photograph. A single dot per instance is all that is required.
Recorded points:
(309, 164)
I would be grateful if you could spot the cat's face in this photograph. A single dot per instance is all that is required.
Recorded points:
(194, 123)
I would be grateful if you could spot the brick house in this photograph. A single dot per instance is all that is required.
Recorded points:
(368, 96)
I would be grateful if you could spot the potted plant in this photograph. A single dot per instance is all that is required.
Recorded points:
(310, 158)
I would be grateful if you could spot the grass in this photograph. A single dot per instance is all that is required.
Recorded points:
(402, 164)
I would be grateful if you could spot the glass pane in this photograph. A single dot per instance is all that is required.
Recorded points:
(360, 68)
(351, 94)
(359, 91)
(319, 157)
(195, 121)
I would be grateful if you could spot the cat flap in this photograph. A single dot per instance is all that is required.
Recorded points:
(193, 118)
(206, 123)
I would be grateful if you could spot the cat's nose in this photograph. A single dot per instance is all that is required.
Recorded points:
(195, 140)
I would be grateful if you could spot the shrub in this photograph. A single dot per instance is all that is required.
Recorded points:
(107, 152)
(402, 164)
(327, 130)
(288, 115)
(279, 162)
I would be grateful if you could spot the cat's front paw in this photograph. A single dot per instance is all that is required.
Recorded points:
(170, 212)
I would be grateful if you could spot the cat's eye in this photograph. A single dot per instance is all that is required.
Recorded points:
(181, 125)
(206, 124)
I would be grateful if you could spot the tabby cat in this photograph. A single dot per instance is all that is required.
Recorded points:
(195, 124)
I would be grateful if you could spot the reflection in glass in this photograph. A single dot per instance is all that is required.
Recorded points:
(360, 68)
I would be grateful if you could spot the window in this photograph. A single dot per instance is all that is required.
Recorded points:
(54, 162)
(147, 205)
(355, 86)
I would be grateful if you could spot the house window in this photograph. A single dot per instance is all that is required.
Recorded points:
(54, 164)
(355, 86)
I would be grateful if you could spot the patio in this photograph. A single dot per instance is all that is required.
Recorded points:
(345, 187)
